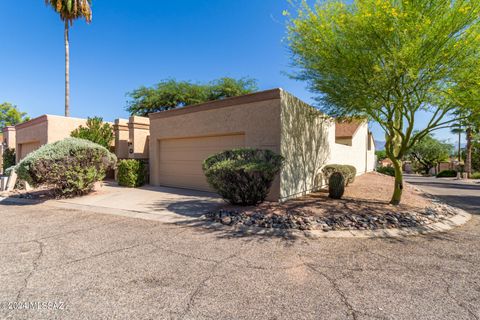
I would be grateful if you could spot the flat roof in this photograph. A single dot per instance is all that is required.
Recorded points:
(217, 104)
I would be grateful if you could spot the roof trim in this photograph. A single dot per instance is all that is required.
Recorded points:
(32, 122)
(228, 102)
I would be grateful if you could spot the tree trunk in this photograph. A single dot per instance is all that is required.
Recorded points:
(459, 147)
(397, 191)
(67, 71)
(468, 158)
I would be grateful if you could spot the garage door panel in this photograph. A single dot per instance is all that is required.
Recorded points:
(180, 160)
(26, 148)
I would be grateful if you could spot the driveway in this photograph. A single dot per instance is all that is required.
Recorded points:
(85, 265)
(149, 202)
(459, 193)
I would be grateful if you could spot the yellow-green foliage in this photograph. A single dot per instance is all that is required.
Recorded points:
(131, 173)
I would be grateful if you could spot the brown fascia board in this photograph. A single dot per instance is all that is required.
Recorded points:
(32, 122)
(248, 98)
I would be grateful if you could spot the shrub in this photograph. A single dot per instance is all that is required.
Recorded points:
(349, 172)
(131, 173)
(96, 131)
(447, 174)
(8, 158)
(242, 176)
(475, 175)
(336, 185)
(389, 171)
(71, 166)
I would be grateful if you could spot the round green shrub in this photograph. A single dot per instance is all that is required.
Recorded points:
(389, 171)
(349, 172)
(242, 176)
(447, 174)
(131, 173)
(70, 166)
(475, 175)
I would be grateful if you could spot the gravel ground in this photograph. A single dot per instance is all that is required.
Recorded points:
(109, 267)
(363, 207)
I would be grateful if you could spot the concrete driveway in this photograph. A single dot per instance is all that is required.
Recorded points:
(86, 265)
(459, 193)
(149, 202)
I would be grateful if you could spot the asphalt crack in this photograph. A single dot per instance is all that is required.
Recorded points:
(34, 269)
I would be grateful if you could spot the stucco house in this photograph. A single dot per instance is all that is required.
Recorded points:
(31, 135)
(132, 138)
(182, 138)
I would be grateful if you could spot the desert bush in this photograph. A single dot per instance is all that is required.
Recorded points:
(70, 166)
(389, 171)
(131, 173)
(349, 172)
(8, 158)
(242, 176)
(447, 174)
(475, 175)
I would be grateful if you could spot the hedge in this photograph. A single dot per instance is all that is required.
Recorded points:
(70, 166)
(389, 171)
(349, 172)
(131, 173)
(8, 158)
(447, 174)
(242, 176)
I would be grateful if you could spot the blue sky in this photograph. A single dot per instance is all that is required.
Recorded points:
(133, 43)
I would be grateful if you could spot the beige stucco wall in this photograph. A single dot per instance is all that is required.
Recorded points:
(120, 129)
(42, 130)
(139, 133)
(304, 144)
(61, 127)
(9, 137)
(258, 121)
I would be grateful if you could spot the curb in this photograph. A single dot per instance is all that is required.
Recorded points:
(445, 224)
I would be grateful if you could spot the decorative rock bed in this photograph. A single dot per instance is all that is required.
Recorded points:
(351, 221)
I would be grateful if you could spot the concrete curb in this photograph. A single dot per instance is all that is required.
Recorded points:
(446, 224)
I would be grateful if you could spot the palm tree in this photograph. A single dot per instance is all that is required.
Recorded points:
(457, 129)
(70, 10)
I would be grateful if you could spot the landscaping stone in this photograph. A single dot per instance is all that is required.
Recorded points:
(349, 221)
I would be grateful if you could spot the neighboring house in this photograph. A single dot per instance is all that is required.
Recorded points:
(31, 135)
(352, 140)
(132, 138)
(181, 139)
(8, 138)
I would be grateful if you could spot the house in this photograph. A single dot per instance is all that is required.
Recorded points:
(132, 138)
(181, 139)
(31, 135)
(8, 138)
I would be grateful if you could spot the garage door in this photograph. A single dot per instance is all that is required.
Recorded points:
(26, 148)
(181, 159)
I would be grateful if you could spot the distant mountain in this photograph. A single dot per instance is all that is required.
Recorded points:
(379, 145)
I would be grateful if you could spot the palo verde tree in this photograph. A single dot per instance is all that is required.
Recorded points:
(386, 60)
(465, 93)
(70, 10)
(171, 94)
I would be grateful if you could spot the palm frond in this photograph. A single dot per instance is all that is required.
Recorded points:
(70, 10)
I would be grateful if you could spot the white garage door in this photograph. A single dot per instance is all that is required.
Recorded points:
(181, 159)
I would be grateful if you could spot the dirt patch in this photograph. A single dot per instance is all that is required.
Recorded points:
(364, 206)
